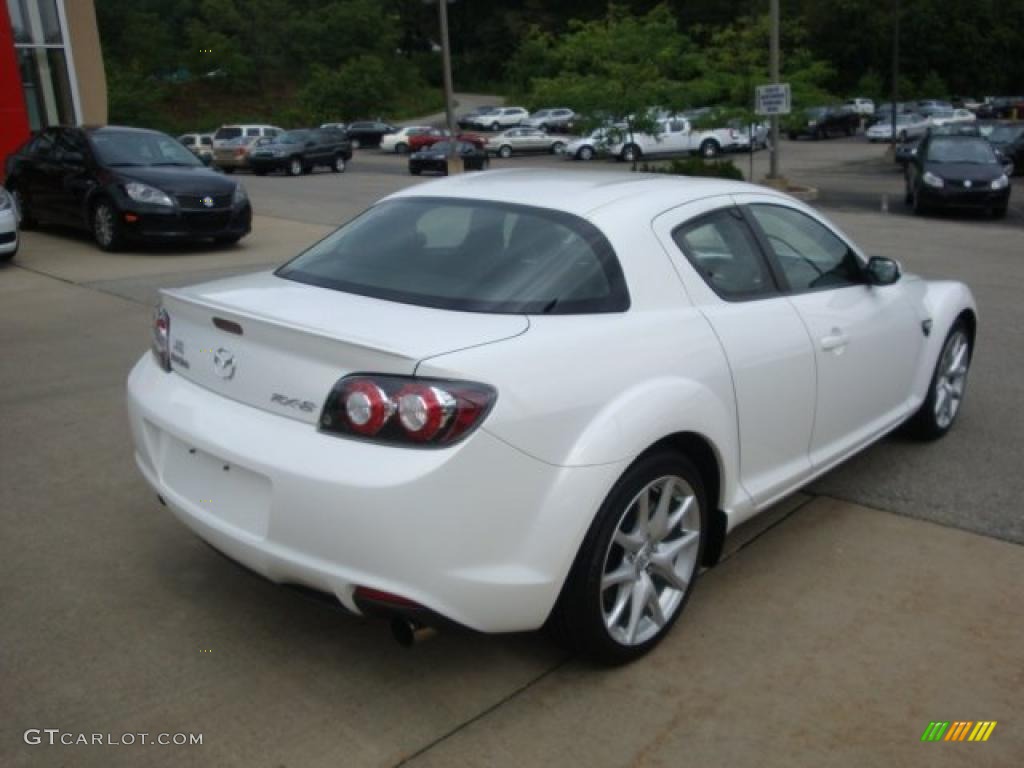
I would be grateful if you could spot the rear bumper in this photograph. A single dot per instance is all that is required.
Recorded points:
(479, 533)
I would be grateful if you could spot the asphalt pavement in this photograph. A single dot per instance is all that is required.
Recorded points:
(833, 638)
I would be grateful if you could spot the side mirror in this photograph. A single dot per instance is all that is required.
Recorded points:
(882, 271)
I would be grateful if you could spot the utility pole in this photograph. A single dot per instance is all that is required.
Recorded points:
(895, 67)
(773, 172)
(449, 98)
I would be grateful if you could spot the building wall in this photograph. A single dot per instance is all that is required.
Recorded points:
(84, 37)
(13, 115)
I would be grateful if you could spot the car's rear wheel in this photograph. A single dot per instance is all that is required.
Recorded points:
(495, 126)
(227, 239)
(558, 148)
(401, 148)
(638, 562)
(585, 153)
(23, 204)
(709, 148)
(946, 391)
(505, 152)
(294, 167)
(356, 144)
(106, 226)
(630, 153)
(338, 166)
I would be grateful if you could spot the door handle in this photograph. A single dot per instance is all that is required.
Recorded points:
(836, 340)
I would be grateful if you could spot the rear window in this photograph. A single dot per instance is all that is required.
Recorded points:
(469, 255)
(223, 134)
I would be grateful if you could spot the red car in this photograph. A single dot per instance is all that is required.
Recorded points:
(435, 135)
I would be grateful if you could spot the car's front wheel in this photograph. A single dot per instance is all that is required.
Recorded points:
(946, 392)
(338, 166)
(585, 153)
(295, 167)
(638, 562)
(106, 227)
(505, 152)
(401, 148)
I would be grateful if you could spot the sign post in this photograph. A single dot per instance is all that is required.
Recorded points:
(773, 100)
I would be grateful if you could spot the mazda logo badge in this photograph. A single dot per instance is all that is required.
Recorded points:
(207, 201)
(224, 363)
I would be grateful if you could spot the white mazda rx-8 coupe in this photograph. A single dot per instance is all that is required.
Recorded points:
(521, 399)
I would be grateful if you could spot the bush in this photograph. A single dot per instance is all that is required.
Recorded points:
(695, 166)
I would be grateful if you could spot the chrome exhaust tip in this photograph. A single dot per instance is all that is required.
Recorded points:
(408, 633)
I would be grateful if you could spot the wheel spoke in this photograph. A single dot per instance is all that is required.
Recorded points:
(630, 542)
(659, 522)
(680, 514)
(637, 600)
(669, 551)
(959, 355)
(653, 603)
(623, 573)
(621, 601)
(668, 572)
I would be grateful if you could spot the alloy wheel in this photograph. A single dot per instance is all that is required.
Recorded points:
(952, 378)
(103, 225)
(651, 560)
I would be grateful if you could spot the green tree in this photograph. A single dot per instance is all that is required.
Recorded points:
(359, 89)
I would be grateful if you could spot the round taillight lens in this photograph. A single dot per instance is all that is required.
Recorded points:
(423, 411)
(367, 407)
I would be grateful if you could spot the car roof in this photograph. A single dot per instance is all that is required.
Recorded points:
(580, 192)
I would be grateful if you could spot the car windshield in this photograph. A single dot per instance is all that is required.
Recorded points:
(294, 137)
(139, 148)
(223, 134)
(976, 152)
(469, 255)
(1004, 134)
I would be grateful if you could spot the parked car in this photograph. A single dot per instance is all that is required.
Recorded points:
(952, 116)
(334, 127)
(398, 142)
(463, 120)
(524, 140)
(300, 151)
(883, 112)
(929, 107)
(470, 345)
(861, 106)
(1008, 139)
(435, 158)
(596, 142)
(823, 122)
(199, 144)
(957, 172)
(742, 136)
(8, 226)
(233, 154)
(228, 133)
(966, 102)
(498, 118)
(554, 119)
(368, 133)
(909, 125)
(674, 135)
(434, 135)
(1002, 108)
(906, 150)
(124, 185)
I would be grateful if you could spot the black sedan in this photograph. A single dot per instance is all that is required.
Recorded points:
(1008, 138)
(368, 133)
(957, 172)
(300, 151)
(125, 184)
(435, 158)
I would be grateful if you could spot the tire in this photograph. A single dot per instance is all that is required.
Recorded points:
(505, 152)
(338, 165)
(710, 149)
(604, 624)
(106, 226)
(25, 219)
(585, 153)
(401, 148)
(227, 240)
(999, 212)
(558, 148)
(631, 153)
(915, 203)
(947, 388)
(294, 167)
(792, 136)
(415, 171)
(356, 144)
(495, 127)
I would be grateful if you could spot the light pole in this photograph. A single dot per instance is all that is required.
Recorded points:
(895, 67)
(773, 169)
(449, 98)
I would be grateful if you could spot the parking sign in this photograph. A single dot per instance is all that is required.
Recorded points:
(773, 99)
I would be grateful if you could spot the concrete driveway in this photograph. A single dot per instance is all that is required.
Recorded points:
(832, 639)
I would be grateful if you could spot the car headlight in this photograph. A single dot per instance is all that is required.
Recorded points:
(1001, 183)
(240, 195)
(6, 203)
(143, 193)
(932, 180)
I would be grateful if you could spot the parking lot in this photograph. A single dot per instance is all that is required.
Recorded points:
(885, 596)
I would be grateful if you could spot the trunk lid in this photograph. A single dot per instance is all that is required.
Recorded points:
(297, 340)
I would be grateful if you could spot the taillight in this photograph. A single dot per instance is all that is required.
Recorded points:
(433, 413)
(162, 338)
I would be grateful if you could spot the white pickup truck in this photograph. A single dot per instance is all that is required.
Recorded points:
(674, 136)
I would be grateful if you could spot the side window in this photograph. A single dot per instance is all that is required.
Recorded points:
(810, 255)
(252, 131)
(722, 249)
